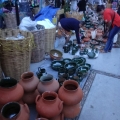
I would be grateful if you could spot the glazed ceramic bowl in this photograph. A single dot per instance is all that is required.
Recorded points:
(79, 61)
(67, 60)
(57, 64)
(55, 54)
(87, 65)
(94, 43)
(91, 54)
(82, 71)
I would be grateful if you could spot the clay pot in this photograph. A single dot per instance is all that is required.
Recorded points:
(86, 39)
(49, 105)
(59, 117)
(88, 35)
(71, 111)
(10, 91)
(15, 111)
(47, 83)
(29, 81)
(70, 92)
(30, 97)
(105, 40)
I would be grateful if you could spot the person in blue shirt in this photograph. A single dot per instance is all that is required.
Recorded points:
(68, 24)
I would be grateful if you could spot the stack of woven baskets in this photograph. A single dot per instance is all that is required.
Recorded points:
(15, 55)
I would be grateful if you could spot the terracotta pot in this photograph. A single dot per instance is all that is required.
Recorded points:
(49, 105)
(71, 111)
(59, 117)
(30, 97)
(29, 81)
(10, 91)
(70, 92)
(86, 39)
(99, 35)
(15, 111)
(47, 83)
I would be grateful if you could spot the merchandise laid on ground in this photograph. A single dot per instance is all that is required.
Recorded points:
(44, 76)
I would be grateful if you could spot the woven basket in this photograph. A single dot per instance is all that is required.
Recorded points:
(49, 39)
(15, 55)
(73, 14)
(10, 20)
(38, 53)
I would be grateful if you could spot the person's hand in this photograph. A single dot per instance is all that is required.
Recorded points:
(5, 10)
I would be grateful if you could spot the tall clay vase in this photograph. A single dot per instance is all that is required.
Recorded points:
(49, 105)
(47, 83)
(10, 91)
(29, 81)
(70, 92)
(71, 111)
(15, 111)
(29, 97)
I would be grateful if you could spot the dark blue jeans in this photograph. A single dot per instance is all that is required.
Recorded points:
(109, 43)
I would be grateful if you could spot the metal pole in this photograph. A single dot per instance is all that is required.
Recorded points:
(17, 12)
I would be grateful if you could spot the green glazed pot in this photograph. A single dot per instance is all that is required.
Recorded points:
(91, 54)
(87, 65)
(67, 60)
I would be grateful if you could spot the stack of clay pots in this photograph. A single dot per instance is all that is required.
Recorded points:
(29, 83)
(11, 94)
(71, 95)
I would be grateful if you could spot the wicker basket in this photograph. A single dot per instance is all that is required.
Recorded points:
(49, 39)
(38, 53)
(10, 20)
(73, 14)
(15, 55)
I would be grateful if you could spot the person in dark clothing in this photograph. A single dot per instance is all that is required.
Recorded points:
(82, 5)
(68, 24)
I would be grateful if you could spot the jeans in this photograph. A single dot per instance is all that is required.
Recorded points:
(109, 42)
(1, 22)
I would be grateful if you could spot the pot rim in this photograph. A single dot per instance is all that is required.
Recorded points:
(9, 104)
(49, 93)
(25, 74)
(70, 82)
(13, 86)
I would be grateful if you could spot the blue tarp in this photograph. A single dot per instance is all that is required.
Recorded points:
(47, 12)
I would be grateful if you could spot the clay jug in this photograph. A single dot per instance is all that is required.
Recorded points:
(47, 83)
(71, 111)
(70, 92)
(29, 81)
(10, 91)
(49, 105)
(29, 97)
(15, 111)
(59, 117)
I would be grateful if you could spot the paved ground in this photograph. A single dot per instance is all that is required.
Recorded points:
(103, 99)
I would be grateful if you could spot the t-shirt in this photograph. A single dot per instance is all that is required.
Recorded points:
(71, 24)
(108, 16)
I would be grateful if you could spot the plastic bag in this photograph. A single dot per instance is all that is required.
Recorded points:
(27, 24)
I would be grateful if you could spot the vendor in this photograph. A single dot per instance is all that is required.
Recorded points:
(68, 24)
(112, 21)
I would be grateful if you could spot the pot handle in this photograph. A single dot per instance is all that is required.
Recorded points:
(60, 106)
(37, 98)
(27, 109)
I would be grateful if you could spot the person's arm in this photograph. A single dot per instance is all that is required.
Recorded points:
(77, 35)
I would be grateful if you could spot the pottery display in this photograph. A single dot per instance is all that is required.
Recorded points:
(91, 54)
(70, 92)
(47, 83)
(67, 60)
(82, 71)
(55, 54)
(49, 105)
(71, 111)
(28, 81)
(87, 65)
(99, 35)
(10, 91)
(59, 117)
(15, 111)
(79, 61)
(57, 64)
(105, 40)
(29, 97)
(62, 73)
(66, 48)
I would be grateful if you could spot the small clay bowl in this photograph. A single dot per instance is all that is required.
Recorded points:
(86, 39)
